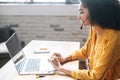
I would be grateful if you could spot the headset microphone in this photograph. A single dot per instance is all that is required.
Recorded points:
(81, 27)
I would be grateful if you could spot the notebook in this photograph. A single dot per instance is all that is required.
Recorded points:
(26, 65)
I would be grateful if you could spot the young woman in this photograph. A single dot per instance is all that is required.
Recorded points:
(103, 44)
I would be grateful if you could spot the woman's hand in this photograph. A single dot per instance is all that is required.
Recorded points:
(59, 57)
(55, 62)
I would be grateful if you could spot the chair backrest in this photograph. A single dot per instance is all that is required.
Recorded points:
(13, 45)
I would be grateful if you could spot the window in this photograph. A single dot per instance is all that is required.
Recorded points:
(49, 1)
(14, 0)
(41, 1)
(33, 1)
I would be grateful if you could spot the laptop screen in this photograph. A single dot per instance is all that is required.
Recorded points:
(13, 45)
(14, 48)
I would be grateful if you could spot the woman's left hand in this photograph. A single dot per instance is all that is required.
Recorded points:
(55, 62)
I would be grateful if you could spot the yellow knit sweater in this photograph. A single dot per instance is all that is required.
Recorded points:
(104, 54)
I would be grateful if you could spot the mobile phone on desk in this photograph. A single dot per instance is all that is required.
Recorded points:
(41, 50)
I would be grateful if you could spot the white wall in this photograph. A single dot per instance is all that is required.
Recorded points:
(37, 9)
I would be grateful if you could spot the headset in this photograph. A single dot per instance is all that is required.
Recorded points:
(81, 27)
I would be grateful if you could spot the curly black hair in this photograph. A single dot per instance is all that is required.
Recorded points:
(105, 13)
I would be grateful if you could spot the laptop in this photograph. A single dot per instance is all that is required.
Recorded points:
(26, 65)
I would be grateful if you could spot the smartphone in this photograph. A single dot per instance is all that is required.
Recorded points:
(41, 50)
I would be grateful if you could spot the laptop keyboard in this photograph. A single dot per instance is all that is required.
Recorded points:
(32, 65)
(20, 65)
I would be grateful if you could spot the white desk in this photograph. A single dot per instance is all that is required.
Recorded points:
(8, 72)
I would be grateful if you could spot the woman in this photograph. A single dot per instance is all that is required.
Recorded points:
(103, 44)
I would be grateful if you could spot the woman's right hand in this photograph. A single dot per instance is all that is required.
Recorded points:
(59, 57)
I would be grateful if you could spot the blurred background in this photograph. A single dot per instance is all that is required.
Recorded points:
(43, 19)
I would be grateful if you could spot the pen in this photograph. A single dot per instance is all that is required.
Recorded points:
(39, 76)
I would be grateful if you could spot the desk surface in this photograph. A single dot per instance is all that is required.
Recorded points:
(8, 72)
